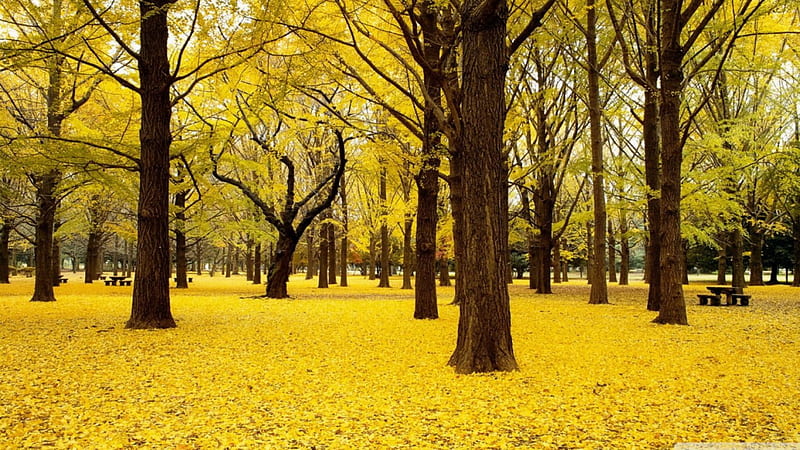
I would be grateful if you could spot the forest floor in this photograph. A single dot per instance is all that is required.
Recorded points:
(350, 368)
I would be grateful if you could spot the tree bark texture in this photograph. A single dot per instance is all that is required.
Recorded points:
(45, 221)
(280, 267)
(652, 162)
(672, 308)
(484, 329)
(180, 241)
(257, 264)
(756, 257)
(624, 249)
(311, 268)
(599, 291)
(151, 303)
(5, 236)
(322, 264)
(332, 254)
(612, 254)
(345, 245)
(427, 179)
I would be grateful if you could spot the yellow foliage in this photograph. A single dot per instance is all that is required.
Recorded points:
(350, 368)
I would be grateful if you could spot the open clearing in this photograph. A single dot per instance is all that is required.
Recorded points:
(350, 368)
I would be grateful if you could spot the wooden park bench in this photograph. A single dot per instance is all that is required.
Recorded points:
(744, 300)
(188, 279)
(62, 279)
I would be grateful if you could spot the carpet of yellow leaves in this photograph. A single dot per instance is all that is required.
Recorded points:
(350, 368)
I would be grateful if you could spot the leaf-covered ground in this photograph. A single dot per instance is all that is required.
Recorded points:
(350, 368)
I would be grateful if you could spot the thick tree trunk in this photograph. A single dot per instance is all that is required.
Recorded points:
(280, 268)
(444, 271)
(722, 265)
(652, 170)
(672, 308)
(151, 303)
(484, 329)
(5, 236)
(756, 257)
(257, 264)
(45, 222)
(427, 179)
(599, 291)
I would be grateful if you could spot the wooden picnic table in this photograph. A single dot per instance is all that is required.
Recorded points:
(112, 280)
(732, 294)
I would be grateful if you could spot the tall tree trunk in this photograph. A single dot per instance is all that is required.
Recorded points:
(257, 264)
(534, 261)
(652, 160)
(722, 265)
(612, 254)
(737, 250)
(248, 260)
(672, 308)
(756, 256)
(5, 236)
(385, 245)
(599, 292)
(484, 328)
(425, 301)
(180, 241)
(624, 249)
(311, 268)
(796, 251)
(332, 254)
(408, 252)
(557, 263)
(457, 186)
(345, 246)
(322, 262)
(343, 263)
(56, 259)
(198, 256)
(151, 303)
(373, 258)
(228, 260)
(45, 222)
